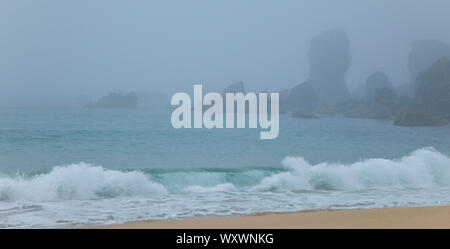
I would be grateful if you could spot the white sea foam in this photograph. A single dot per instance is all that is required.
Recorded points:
(78, 181)
(424, 168)
(224, 187)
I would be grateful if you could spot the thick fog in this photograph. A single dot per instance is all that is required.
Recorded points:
(52, 50)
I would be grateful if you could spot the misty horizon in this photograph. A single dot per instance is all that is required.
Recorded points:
(54, 51)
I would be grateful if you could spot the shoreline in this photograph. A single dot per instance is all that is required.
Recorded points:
(402, 217)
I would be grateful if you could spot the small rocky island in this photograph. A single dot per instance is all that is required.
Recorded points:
(420, 119)
(115, 100)
(304, 115)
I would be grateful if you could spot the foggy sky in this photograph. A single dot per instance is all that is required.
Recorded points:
(51, 48)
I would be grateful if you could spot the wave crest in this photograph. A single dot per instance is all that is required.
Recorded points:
(78, 181)
(423, 168)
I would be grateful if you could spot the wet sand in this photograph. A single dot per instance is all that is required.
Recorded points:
(411, 217)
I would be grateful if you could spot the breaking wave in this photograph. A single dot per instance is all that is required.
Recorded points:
(423, 168)
(78, 181)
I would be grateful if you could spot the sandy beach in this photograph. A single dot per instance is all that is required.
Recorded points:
(411, 217)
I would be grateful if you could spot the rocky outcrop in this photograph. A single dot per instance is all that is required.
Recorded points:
(420, 119)
(378, 102)
(329, 59)
(384, 104)
(423, 54)
(303, 115)
(237, 87)
(374, 82)
(303, 97)
(284, 101)
(433, 89)
(115, 100)
(384, 97)
(431, 104)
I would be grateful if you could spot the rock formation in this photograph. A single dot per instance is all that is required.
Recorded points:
(374, 82)
(237, 87)
(284, 101)
(329, 59)
(116, 100)
(304, 115)
(423, 54)
(383, 104)
(433, 89)
(378, 102)
(420, 119)
(303, 97)
(431, 104)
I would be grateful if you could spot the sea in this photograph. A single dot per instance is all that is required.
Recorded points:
(76, 167)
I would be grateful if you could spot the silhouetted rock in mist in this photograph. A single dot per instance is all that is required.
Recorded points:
(420, 119)
(433, 89)
(329, 59)
(384, 104)
(431, 106)
(116, 100)
(374, 82)
(303, 97)
(303, 115)
(423, 54)
(237, 87)
(379, 101)
(284, 101)
(405, 90)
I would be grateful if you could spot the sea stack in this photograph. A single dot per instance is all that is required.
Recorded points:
(329, 59)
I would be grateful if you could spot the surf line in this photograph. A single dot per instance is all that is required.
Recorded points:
(236, 105)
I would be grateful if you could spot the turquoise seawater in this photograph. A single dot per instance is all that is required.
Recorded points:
(76, 166)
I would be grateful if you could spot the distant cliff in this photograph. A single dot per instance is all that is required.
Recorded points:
(115, 100)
